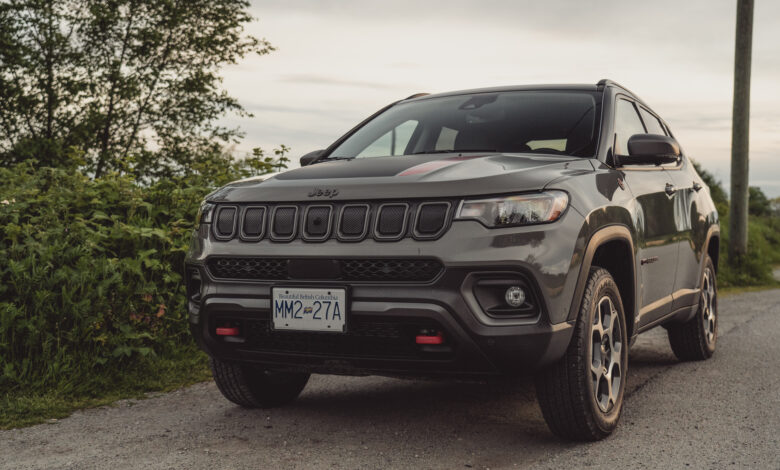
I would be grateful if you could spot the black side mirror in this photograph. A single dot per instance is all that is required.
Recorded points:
(651, 149)
(310, 157)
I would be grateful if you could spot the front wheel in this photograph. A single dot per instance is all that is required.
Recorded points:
(254, 387)
(581, 396)
(695, 340)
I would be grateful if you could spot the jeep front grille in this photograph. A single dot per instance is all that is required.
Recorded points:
(351, 270)
(318, 222)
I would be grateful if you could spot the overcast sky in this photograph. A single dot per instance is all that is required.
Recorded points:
(339, 61)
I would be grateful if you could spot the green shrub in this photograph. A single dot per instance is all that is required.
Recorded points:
(755, 268)
(91, 271)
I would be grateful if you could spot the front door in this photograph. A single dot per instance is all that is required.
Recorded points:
(653, 189)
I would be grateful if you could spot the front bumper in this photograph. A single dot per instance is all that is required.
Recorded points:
(383, 316)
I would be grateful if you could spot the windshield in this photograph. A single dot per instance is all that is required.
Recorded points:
(554, 122)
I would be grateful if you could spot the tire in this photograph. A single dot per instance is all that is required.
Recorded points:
(695, 339)
(253, 387)
(581, 396)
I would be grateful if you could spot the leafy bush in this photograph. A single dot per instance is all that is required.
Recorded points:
(755, 268)
(91, 270)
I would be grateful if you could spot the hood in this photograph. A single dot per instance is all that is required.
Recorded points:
(404, 177)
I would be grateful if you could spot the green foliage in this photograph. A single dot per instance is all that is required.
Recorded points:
(91, 272)
(755, 268)
(717, 191)
(758, 203)
(133, 85)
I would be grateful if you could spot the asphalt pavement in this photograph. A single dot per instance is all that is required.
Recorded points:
(721, 413)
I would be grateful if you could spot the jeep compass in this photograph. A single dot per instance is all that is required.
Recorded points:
(476, 235)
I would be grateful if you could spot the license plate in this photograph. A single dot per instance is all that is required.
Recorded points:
(307, 309)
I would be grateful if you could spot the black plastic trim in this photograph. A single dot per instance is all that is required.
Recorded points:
(366, 224)
(294, 233)
(304, 235)
(214, 225)
(252, 238)
(447, 220)
(404, 228)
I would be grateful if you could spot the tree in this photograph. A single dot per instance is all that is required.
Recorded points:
(134, 85)
(717, 192)
(758, 203)
(738, 221)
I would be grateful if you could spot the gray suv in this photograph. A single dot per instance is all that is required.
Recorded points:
(474, 235)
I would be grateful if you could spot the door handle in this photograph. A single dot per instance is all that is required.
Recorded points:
(696, 187)
(669, 189)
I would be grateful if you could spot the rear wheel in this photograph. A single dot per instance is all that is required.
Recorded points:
(581, 396)
(254, 387)
(695, 339)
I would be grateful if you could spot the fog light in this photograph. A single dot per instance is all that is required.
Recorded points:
(515, 296)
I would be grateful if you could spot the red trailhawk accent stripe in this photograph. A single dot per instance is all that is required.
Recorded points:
(435, 165)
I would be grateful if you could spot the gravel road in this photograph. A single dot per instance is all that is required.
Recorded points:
(721, 413)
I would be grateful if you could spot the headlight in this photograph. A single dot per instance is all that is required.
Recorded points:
(522, 209)
(204, 213)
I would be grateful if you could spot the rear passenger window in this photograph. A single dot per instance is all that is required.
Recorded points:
(652, 123)
(627, 123)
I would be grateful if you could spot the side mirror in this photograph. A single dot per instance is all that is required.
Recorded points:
(651, 149)
(310, 157)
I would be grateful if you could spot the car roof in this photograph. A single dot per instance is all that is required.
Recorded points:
(546, 87)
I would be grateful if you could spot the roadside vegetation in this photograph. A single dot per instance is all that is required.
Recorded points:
(755, 269)
(110, 136)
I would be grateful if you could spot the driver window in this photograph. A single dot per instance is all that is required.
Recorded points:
(627, 123)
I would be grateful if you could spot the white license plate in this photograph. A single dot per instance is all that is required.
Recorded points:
(305, 309)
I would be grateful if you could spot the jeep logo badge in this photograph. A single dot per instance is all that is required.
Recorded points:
(317, 192)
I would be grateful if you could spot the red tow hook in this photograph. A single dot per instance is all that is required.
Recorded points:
(227, 331)
(438, 338)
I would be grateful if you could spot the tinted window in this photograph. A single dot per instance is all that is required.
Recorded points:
(555, 122)
(651, 122)
(394, 142)
(627, 123)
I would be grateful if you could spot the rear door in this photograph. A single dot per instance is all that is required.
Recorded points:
(653, 190)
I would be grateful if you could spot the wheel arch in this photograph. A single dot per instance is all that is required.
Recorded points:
(611, 248)
(712, 246)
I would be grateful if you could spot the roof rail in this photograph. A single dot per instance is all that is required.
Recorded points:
(606, 82)
(416, 95)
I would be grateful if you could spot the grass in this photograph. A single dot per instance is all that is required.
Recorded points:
(736, 290)
(186, 367)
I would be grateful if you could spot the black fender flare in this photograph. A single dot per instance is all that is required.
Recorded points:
(598, 238)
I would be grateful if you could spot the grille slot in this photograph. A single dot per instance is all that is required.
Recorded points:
(248, 268)
(391, 221)
(225, 228)
(317, 225)
(354, 222)
(284, 223)
(431, 219)
(352, 270)
(253, 223)
(419, 270)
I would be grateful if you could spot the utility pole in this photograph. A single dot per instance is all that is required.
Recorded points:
(738, 217)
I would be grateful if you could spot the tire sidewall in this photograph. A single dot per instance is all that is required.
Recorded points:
(709, 347)
(606, 422)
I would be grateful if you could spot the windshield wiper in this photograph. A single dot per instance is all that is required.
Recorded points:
(453, 151)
